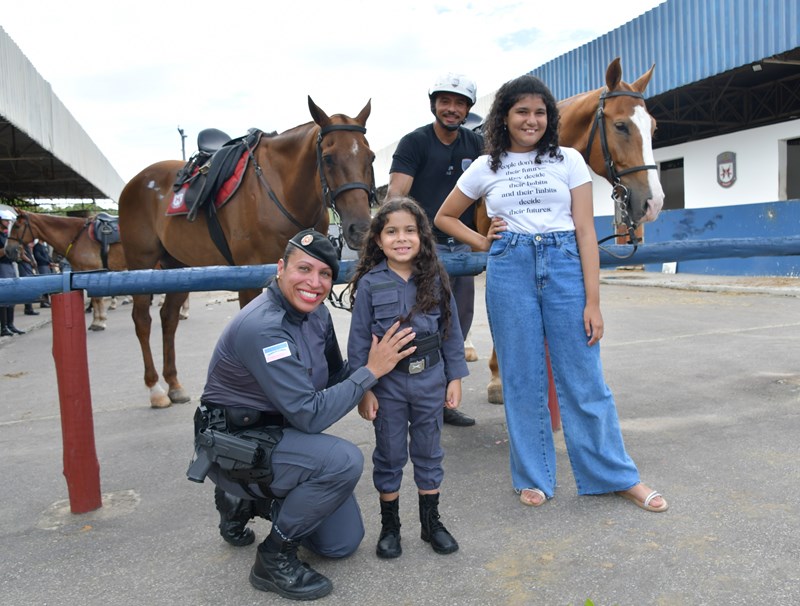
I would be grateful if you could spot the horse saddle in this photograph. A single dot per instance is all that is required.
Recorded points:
(213, 173)
(104, 229)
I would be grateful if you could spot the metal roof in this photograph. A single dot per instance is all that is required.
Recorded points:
(688, 40)
(44, 152)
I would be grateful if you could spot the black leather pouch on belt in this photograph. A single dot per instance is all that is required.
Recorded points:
(426, 355)
(242, 417)
(234, 418)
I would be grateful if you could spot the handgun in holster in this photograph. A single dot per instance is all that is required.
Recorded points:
(231, 453)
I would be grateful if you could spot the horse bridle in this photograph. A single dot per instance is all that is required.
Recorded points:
(328, 196)
(619, 193)
(27, 227)
(21, 238)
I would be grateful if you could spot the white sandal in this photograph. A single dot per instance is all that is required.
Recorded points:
(649, 499)
(528, 501)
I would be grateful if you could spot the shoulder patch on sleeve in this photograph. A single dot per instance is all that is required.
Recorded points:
(276, 352)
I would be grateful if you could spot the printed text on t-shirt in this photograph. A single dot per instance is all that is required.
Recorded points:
(527, 187)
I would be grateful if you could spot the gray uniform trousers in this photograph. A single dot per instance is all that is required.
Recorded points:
(314, 476)
(409, 421)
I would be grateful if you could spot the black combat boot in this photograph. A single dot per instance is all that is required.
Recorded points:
(10, 321)
(4, 332)
(234, 514)
(389, 541)
(278, 569)
(433, 531)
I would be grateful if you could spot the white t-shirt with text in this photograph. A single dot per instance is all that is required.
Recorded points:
(532, 198)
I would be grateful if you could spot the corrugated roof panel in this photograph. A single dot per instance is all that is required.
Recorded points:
(688, 40)
(27, 101)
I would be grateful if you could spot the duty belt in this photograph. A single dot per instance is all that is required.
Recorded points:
(426, 355)
(242, 417)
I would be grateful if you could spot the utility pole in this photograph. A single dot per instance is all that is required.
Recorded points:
(183, 143)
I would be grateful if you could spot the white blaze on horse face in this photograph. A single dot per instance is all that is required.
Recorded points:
(644, 123)
(354, 149)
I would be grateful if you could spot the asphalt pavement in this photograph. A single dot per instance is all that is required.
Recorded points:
(706, 374)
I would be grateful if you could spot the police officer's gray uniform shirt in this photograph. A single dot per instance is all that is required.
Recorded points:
(273, 358)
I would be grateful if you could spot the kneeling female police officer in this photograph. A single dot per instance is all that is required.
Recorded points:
(278, 365)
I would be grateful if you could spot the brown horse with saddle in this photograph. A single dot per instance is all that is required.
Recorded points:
(274, 186)
(88, 244)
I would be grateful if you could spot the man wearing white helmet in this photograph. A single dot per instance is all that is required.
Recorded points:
(426, 165)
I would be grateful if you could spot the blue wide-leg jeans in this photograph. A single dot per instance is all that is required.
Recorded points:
(535, 292)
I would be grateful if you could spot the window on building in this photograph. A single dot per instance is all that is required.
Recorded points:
(671, 175)
(793, 169)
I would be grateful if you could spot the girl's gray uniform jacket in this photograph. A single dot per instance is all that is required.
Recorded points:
(381, 299)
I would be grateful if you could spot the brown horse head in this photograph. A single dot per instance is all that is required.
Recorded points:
(345, 170)
(19, 235)
(620, 146)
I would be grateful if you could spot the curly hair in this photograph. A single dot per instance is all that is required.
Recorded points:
(433, 283)
(495, 132)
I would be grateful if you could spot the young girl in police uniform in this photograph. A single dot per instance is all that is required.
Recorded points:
(399, 277)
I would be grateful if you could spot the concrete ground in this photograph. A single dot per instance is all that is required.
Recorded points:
(706, 373)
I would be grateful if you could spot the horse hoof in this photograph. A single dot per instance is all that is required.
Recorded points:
(183, 316)
(470, 354)
(160, 402)
(97, 327)
(495, 394)
(178, 396)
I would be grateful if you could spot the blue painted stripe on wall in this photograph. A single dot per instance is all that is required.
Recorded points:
(768, 220)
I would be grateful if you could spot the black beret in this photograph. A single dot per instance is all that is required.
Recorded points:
(318, 246)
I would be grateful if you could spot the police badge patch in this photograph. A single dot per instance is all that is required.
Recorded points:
(726, 169)
(276, 352)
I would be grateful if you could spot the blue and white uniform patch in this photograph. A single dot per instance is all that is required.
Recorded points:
(276, 352)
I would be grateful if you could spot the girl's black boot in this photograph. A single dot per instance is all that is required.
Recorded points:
(389, 541)
(433, 531)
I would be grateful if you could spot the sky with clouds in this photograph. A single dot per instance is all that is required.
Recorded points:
(131, 73)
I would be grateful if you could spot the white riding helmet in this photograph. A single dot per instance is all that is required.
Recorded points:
(454, 83)
(7, 215)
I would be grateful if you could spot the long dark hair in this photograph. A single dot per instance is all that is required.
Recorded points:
(495, 132)
(433, 283)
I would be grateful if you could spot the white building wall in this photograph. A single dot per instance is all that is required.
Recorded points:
(760, 165)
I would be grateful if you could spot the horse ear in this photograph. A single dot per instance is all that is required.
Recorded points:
(320, 117)
(643, 80)
(613, 74)
(361, 118)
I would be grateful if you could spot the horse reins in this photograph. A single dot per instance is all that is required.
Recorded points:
(27, 227)
(619, 193)
(20, 238)
(78, 235)
(328, 196)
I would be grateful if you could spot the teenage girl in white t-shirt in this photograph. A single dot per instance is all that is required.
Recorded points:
(543, 280)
